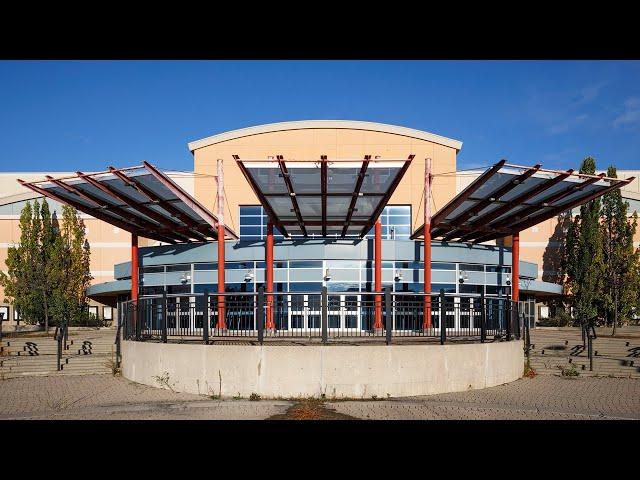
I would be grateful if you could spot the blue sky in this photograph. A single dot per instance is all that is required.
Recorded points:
(73, 115)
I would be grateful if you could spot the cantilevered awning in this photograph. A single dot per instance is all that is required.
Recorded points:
(324, 197)
(507, 199)
(141, 200)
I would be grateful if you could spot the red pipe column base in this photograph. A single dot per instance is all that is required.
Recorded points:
(222, 323)
(377, 326)
(270, 324)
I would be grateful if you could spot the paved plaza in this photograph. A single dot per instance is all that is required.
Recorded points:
(103, 397)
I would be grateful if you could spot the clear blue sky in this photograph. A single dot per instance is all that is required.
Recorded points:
(72, 115)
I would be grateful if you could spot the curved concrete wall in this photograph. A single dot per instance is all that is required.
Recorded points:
(336, 371)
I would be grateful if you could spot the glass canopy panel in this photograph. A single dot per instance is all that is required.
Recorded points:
(379, 179)
(341, 183)
(305, 179)
(338, 206)
(310, 207)
(269, 180)
(365, 206)
(342, 180)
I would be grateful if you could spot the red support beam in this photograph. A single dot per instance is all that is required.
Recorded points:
(378, 274)
(222, 323)
(515, 266)
(292, 194)
(269, 276)
(135, 276)
(426, 322)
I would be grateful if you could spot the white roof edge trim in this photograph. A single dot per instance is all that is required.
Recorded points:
(342, 124)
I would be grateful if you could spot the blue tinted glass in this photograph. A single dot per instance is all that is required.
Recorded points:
(250, 220)
(402, 230)
(410, 287)
(472, 267)
(305, 264)
(250, 231)
(305, 287)
(342, 287)
(398, 220)
(201, 287)
(186, 267)
(250, 210)
(448, 287)
(398, 210)
(443, 266)
(238, 265)
(205, 266)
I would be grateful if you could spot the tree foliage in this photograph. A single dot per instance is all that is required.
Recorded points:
(602, 267)
(620, 259)
(585, 263)
(48, 271)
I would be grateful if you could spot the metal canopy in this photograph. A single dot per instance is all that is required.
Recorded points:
(141, 200)
(506, 199)
(324, 197)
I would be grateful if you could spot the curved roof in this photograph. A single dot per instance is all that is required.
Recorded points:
(344, 124)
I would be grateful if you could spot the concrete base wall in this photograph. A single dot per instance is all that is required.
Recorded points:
(335, 371)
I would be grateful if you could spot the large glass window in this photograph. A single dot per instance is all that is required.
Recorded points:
(395, 219)
(253, 223)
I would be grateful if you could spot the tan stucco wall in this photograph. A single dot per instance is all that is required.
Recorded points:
(334, 371)
(309, 145)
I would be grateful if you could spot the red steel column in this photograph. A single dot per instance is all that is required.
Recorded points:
(426, 323)
(269, 276)
(222, 324)
(135, 276)
(378, 274)
(515, 267)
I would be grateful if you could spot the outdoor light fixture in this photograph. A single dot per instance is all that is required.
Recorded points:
(463, 276)
(184, 278)
(327, 275)
(398, 276)
(248, 276)
(508, 279)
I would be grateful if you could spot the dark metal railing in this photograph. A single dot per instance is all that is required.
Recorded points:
(320, 315)
(588, 327)
(61, 334)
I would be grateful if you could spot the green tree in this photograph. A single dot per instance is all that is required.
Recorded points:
(620, 282)
(48, 261)
(49, 270)
(585, 264)
(23, 266)
(71, 275)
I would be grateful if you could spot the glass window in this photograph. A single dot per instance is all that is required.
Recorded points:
(472, 267)
(93, 311)
(253, 223)
(185, 267)
(305, 264)
(4, 313)
(443, 266)
(159, 269)
(498, 269)
(205, 266)
(396, 222)
(448, 287)
(107, 313)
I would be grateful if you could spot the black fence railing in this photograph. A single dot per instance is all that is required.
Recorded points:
(322, 316)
